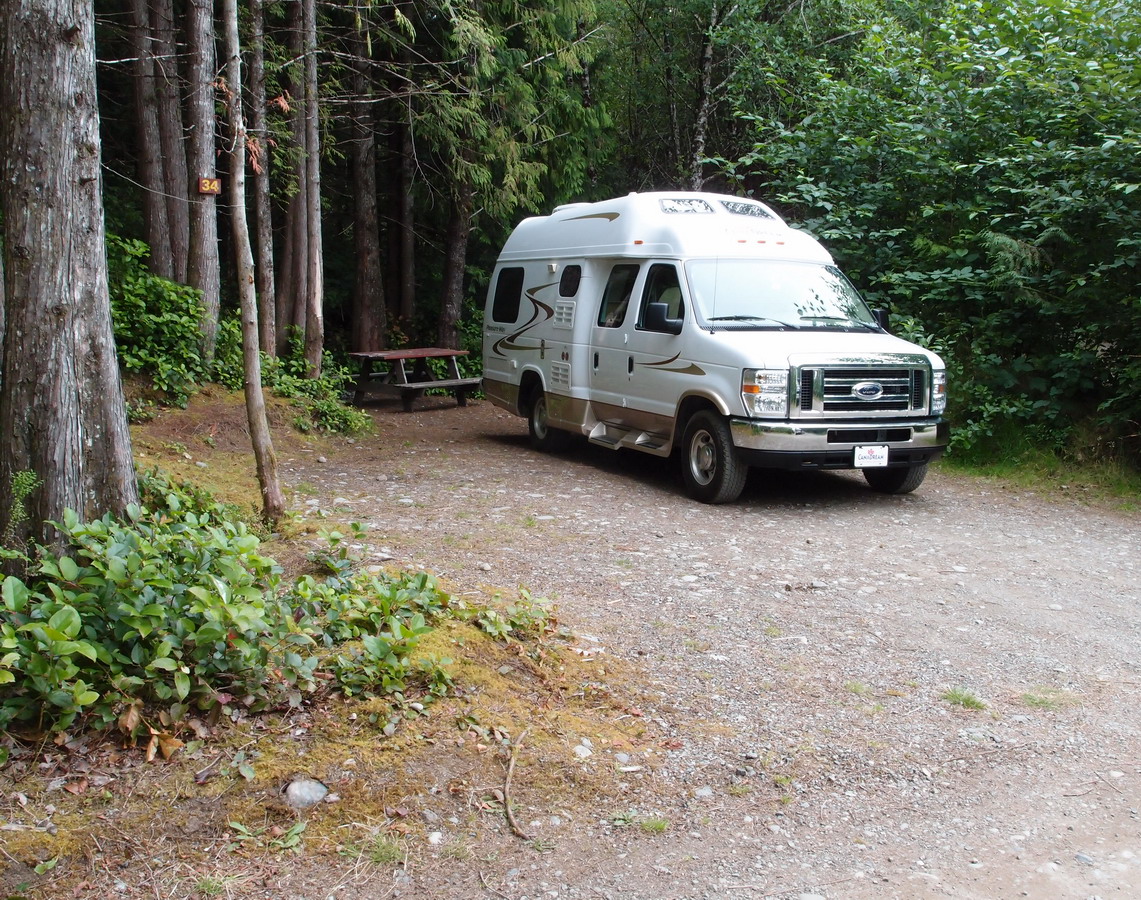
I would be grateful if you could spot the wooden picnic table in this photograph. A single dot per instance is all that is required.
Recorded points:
(407, 373)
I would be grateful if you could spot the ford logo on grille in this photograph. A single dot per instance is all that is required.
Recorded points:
(867, 390)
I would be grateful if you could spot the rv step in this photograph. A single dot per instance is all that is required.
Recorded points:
(615, 436)
(608, 435)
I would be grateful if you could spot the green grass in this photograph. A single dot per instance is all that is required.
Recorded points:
(964, 698)
(1045, 698)
(1028, 467)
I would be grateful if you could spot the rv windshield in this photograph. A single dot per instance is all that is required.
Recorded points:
(760, 293)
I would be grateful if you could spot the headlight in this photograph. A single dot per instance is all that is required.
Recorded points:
(765, 392)
(938, 392)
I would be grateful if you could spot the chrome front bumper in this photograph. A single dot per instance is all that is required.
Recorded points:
(829, 437)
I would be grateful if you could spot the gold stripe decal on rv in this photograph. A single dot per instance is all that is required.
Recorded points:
(608, 216)
(661, 366)
(538, 307)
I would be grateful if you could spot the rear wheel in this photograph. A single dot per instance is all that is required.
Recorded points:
(710, 467)
(543, 437)
(896, 481)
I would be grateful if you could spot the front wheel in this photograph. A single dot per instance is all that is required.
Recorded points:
(543, 437)
(710, 467)
(896, 481)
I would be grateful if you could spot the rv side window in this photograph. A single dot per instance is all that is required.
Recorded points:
(616, 298)
(662, 286)
(508, 291)
(568, 282)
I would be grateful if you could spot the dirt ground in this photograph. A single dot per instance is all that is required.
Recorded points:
(841, 694)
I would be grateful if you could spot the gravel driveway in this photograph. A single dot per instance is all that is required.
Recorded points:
(817, 649)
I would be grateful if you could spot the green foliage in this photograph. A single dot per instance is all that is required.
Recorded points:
(972, 171)
(157, 332)
(964, 698)
(321, 400)
(526, 617)
(23, 485)
(157, 322)
(177, 607)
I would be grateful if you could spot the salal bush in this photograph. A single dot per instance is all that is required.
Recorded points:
(176, 607)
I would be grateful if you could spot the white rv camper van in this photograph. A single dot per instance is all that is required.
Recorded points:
(703, 323)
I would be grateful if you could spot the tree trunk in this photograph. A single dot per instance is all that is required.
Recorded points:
(455, 259)
(370, 323)
(2, 314)
(704, 101)
(273, 501)
(263, 218)
(61, 400)
(168, 100)
(406, 227)
(204, 270)
(315, 300)
(293, 272)
(156, 222)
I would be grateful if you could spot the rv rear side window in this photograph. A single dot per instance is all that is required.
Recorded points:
(508, 292)
(568, 283)
(616, 297)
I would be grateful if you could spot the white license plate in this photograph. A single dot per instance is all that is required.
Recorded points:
(871, 456)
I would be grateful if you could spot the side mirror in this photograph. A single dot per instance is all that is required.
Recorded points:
(657, 320)
(883, 319)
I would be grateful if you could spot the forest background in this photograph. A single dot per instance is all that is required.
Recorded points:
(973, 166)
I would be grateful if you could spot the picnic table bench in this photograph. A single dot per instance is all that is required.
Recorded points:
(394, 375)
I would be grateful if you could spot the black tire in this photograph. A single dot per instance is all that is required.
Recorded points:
(709, 464)
(896, 481)
(544, 438)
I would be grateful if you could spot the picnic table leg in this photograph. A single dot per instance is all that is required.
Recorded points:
(408, 397)
(362, 382)
(454, 371)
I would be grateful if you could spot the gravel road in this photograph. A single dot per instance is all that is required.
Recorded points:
(816, 649)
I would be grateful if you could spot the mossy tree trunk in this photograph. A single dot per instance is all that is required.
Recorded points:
(61, 400)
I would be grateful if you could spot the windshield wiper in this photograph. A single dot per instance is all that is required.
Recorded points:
(866, 325)
(751, 319)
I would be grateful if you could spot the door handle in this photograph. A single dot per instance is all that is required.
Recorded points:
(630, 366)
(596, 360)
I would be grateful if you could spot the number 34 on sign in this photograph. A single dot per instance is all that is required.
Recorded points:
(209, 185)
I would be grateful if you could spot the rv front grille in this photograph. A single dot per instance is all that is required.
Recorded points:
(851, 392)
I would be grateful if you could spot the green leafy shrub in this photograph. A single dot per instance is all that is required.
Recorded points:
(972, 171)
(321, 400)
(177, 608)
(157, 322)
(158, 332)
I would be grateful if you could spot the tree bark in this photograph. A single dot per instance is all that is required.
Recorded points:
(704, 100)
(263, 216)
(406, 226)
(2, 292)
(156, 222)
(370, 323)
(293, 272)
(273, 500)
(168, 101)
(455, 260)
(315, 275)
(61, 401)
(204, 270)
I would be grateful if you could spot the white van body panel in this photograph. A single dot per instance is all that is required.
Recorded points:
(569, 319)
